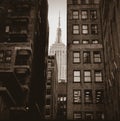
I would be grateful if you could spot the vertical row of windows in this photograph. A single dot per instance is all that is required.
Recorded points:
(84, 14)
(87, 57)
(87, 76)
(85, 29)
(88, 96)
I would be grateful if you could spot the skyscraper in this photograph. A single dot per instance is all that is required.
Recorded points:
(59, 49)
(85, 64)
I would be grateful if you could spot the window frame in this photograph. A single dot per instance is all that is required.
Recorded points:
(75, 29)
(94, 29)
(85, 29)
(75, 16)
(87, 57)
(101, 97)
(89, 96)
(84, 14)
(90, 76)
(77, 113)
(79, 57)
(93, 16)
(96, 71)
(78, 97)
(97, 58)
(78, 76)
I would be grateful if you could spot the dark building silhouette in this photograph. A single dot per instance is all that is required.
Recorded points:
(62, 100)
(51, 88)
(85, 62)
(23, 58)
(110, 19)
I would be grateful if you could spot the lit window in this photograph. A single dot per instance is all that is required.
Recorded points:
(84, 14)
(77, 115)
(93, 14)
(76, 29)
(76, 57)
(8, 54)
(49, 64)
(84, 29)
(94, 29)
(77, 96)
(49, 74)
(100, 115)
(95, 41)
(7, 29)
(88, 96)
(85, 41)
(86, 57)
(75, 14)
(99, 96)
(88, 116)
(76, 76)
(76, 41)
(98, 76)
(97, 57)
(87, 76)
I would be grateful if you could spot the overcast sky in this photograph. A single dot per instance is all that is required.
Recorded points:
(56, 6)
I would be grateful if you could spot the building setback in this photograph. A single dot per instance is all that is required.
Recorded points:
(85, 64)
(110, 18)
(23, 58)
(51, 89)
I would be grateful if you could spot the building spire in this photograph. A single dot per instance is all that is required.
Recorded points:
(58, 39)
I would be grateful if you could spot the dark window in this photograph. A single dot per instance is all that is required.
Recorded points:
(77, 96)
(48, 91)
(86, 57)
(93, 14)
(48, 101)
(88, 96)
(76, 76)
(75, 1)
(94, 29)
(47, 112)
(100, 115)
(99, 96)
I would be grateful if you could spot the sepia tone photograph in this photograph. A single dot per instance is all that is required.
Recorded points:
(59, 60)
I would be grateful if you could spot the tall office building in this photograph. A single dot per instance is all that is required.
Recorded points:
(85, 65)
(110, 18)
(51, 88)
(23, 53)
(59, 49)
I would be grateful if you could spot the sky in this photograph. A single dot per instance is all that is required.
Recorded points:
(56, 6)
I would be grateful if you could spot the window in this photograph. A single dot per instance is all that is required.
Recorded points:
(49, 74)
(76, 41)
(75, 1)
(86, 57)
(94, 29)
(99, 96)
(84, 14)
(85, 41)
(77, 96)
(88, 116)
(76, 29)
(75, 15)
(1, 56)
(87, 76)
(95, 41)
(49, 64)
(96, 1)
(85, 1)
(76, 76)
(76, 57)
(47, 112)
(98, 76)
(93, 14)
(97, 57)
(77, 115)
(100, 115)
(88, 96)
(5, 56)
(48, 91)
(84, 29)
(48, 101)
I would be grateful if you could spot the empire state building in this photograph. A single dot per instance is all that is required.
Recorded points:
(59, 49)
